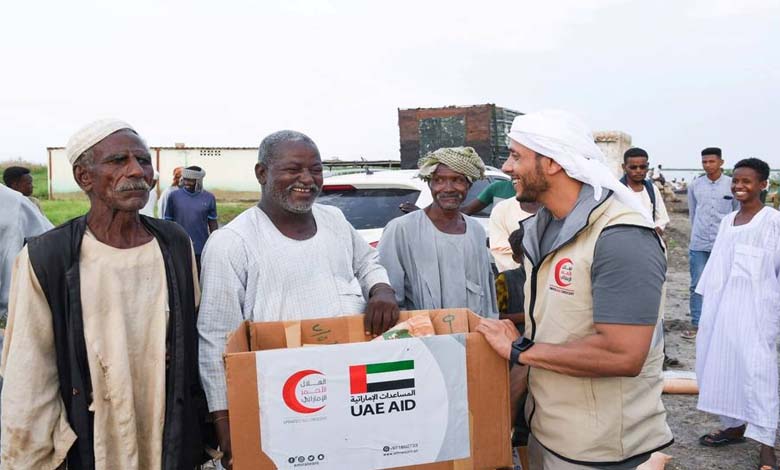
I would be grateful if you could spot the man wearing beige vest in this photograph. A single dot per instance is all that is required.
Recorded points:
(593, 302)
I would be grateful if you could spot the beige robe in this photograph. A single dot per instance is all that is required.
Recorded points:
(125, 310)
(504, 220)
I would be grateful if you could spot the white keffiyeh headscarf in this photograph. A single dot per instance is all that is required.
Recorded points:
(563, 137)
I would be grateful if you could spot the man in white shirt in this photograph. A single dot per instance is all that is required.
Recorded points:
(284, 259)
(635, 165)
(505, 219)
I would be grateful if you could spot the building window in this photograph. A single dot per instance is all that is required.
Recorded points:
(210, 152)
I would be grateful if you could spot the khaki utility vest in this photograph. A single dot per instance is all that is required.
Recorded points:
(588, 420)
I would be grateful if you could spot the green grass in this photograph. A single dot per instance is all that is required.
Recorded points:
(227, 211)
(60, 211)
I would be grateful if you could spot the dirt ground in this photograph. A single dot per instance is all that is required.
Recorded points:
(686, 421)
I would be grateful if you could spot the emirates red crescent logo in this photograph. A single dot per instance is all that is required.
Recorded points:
(563, 272)
(304, 389)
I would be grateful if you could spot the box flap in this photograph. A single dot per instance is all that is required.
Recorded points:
(238, 340)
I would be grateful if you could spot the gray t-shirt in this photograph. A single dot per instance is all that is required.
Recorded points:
(551, 234)
(627, 274)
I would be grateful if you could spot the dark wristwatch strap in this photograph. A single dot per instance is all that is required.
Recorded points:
(520, 345)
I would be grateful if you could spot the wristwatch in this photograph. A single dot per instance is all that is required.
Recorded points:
(521, 344)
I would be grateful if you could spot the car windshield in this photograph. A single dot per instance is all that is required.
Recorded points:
(368, 208)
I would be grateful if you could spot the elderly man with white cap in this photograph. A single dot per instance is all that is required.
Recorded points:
(596, 273)
(100, 357)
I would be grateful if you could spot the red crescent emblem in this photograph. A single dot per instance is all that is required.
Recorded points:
(558, 268)
(289, 396)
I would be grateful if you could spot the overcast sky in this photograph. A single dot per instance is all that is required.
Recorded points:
(675, 75)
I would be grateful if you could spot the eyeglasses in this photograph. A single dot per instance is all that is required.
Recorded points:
(637, 167)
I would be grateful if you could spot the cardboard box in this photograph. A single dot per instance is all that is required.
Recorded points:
(487, 377)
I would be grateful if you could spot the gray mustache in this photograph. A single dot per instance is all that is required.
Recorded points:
(133, 186)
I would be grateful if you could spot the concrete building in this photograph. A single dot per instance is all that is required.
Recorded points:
(614, 144)
(227, 168)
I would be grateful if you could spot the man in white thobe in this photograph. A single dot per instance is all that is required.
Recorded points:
(284, 259)
(436, 257)
(21, 220)
(96, 376)
(736, 348)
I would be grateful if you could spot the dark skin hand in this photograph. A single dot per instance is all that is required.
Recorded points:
(222, 426)
(381, 314)
(473, 207)
(407, 207)
(299, 165)
(382, 310)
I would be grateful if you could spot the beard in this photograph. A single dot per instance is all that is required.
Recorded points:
(452, 200)
(533, 185)
(282, 197)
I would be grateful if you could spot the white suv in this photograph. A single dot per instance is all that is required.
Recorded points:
(370, 200)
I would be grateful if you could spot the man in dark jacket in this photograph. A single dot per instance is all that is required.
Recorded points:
(100, 357)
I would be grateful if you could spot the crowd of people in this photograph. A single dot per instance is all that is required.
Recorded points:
(117, 321)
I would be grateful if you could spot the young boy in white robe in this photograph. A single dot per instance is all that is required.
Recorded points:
(736, 349)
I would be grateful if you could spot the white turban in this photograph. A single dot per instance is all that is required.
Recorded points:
(564, 138)
(90, 135)
(189, 174)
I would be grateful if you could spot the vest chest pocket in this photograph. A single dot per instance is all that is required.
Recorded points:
(567, 324)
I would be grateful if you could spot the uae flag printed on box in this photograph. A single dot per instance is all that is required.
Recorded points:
(380, 377)
(375, 405)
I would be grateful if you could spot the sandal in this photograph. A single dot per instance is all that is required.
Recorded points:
(720, 439)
